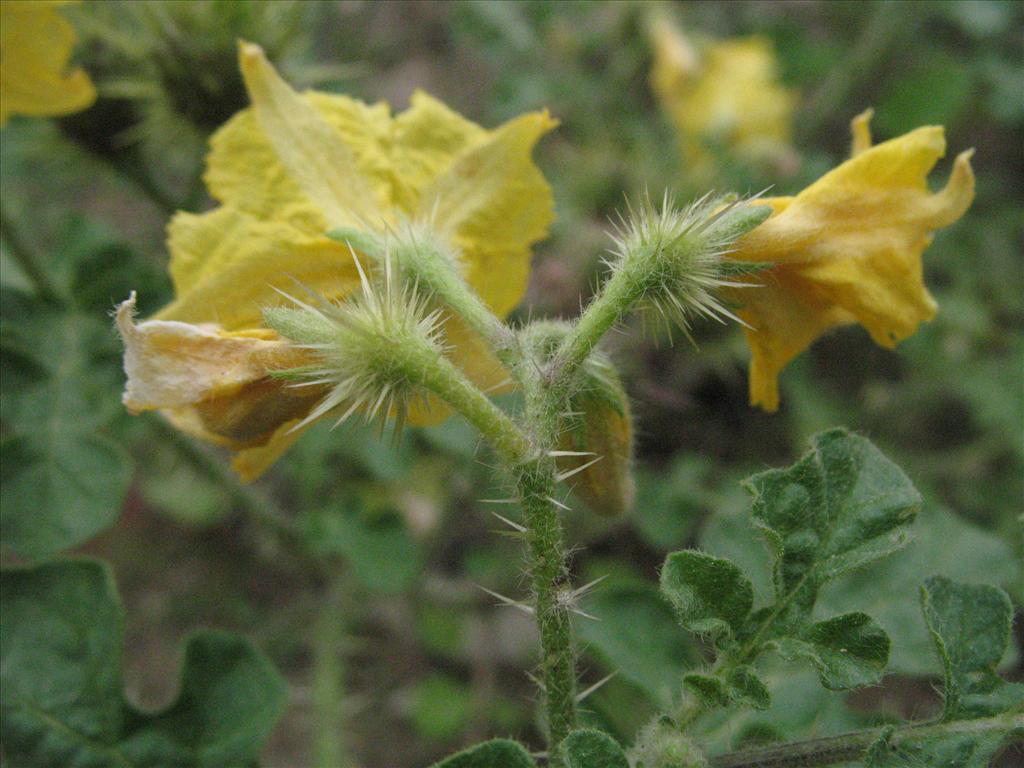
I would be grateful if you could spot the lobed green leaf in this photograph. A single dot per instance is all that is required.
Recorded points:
(62, 694)
(842, 506)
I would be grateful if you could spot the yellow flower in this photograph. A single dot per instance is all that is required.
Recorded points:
(286, 171)
(725, 93)
(848, 250)
(35, 45)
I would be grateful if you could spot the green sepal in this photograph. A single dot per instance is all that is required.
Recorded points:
(588, 748)
(361, 241)
(849, 651)
(300, 325)
(497, 753)
(742, 218)
(711, 595)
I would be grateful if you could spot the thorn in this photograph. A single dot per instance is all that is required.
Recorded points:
(509, 601)
(497, 501)
(582, 695)
(558, 504)
(570, 472)
(581, 591)
(571, 453)
(582, 613)
(511, 524)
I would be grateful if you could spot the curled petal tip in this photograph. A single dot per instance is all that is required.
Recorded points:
(249, 54)
(958, 194)
(860, 127)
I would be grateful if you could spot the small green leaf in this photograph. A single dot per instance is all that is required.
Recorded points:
(740, 686)
(638, 636)
(711, 691)
(849, 651)
(840, 507)
(970, 627)
(745, 687)
(587, 748)
(710, 594)
(497, 753)
(61, 692)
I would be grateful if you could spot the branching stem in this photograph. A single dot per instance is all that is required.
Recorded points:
(852, 746)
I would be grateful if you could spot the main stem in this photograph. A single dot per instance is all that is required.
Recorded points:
(852, 746)
(535, 484)
(525, 454)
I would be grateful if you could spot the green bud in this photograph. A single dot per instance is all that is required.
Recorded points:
(374, 350)
(661, 745)
(673, 259)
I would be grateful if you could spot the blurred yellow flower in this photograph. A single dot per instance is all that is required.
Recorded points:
(848, 250)
(286, 171)
(35, 46)
(725, 93)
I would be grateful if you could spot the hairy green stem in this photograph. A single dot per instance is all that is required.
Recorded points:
(552, 594)
(617, 296)
(852, 746)
(439, 375)
(26, 259)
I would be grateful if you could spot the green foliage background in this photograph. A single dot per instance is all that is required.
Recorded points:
(375, 549)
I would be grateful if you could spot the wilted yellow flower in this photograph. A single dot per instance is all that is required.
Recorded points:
(286, 171)
(725, 93)
(35, 46)
(848, 250)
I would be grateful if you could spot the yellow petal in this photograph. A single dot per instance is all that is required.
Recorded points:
(308, 147)
(250, 463)
(35, 47)
(877, 202)
(496, 203)
(226, 265)
(785, 315)
(171, 364)
(725, 93)
(848, 249)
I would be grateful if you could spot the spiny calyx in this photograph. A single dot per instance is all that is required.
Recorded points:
(672, 259)
(375, 349)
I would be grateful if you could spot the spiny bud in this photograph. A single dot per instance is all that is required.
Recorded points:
(661, 745)
(373, 349)
(673, 258)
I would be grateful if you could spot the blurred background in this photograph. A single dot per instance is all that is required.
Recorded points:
(356, 563)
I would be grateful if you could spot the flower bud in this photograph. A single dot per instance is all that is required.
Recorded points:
(673, 259)
(372, 350)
